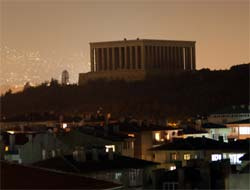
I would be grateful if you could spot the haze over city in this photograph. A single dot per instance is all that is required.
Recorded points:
(39, 39)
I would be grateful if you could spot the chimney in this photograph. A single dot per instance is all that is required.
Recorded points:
(94, 154)
(75, 155)
(111, 154)
(82, 154)
(12, 141)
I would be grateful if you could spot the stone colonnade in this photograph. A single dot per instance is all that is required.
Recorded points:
(140, 55)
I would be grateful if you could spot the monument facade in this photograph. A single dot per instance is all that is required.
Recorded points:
(135, 59)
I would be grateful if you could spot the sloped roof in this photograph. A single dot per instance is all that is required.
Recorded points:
(15, 176)
(212, 126)
(244, 121)
(204, 144)
(69, 164)
(245, 157)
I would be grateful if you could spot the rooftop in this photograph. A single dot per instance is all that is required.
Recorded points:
(234, 109)
(245, 121)
(144, 40)
(26, 177)
(212, 126)
(204, 144)
(69, 164)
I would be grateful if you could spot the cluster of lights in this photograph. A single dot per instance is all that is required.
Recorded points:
(19, 67)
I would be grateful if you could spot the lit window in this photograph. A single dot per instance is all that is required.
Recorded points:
(244, 130)
(172, 167)
(216, 157)
(11, 132)
(187, 156)
(110, 147)
(6, 148)
(234, 158)
(157, 136)
(64, 125)
(173, 156)
(131, 135)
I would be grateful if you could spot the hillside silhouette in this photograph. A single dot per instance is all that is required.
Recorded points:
(171, 96)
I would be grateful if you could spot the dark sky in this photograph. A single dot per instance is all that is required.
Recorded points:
(41, 38)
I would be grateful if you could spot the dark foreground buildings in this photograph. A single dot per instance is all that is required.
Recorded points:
(135, 59)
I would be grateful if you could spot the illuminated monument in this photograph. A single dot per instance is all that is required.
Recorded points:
(136, 59)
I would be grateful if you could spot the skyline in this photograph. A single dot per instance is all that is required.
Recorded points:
(46, 37)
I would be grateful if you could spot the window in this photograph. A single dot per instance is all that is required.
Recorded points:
(110, 147)
(215, 157)
(172, 167)
(187, 156)
(6, 149)
(234, 158)
(157, 136)
(244, 130)
(173, 156)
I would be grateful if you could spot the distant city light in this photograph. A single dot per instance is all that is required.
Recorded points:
(172, 167)
(11, 132)
(64, 125)
(157, 136)
(110, 147)
(131, 135)
(6, 149)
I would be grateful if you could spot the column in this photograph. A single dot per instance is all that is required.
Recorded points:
(103, 59)
(92, 59)
(113, 58)
(177, 62)
(108, 60)
(130, 57)
(143, 57)
(164, 57)
(156, 56)
(96, 59)
(125, 58)
(136, 57)
(181, 59)
(193, 58)
(160, 59)
(120, 58)
(187, 58)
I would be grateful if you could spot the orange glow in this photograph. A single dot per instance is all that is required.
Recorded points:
(131, 135)
(6, 149)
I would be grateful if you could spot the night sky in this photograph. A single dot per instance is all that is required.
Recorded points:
(41, 38)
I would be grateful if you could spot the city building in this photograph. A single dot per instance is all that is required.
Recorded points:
(91, 137)
(136, 59)
(217, 131)
(177, 153)
(130, 172)
(239, 129)
(149, 136)
(230, 114)
(30, 146)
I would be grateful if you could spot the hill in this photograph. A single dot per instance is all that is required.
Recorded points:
(172, 96)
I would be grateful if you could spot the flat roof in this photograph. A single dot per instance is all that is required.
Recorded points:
(142, 40)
